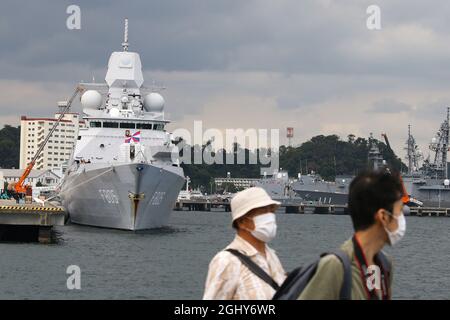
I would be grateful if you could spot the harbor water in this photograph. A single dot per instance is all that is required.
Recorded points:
(171, 263)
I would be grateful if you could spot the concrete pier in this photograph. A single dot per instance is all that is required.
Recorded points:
(201, 205)
(294, 206)
(29, 221)
(429, 212)
(288, 205)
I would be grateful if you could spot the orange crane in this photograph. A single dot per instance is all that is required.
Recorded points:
(405, 197)
(19, 187)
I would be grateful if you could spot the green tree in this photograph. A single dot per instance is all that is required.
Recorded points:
(9, 147)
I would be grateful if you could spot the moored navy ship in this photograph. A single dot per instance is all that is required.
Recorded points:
(429, 183)
(121, 173)
(312, 188)
(307, 188)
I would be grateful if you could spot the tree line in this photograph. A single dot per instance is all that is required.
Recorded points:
(327, 155)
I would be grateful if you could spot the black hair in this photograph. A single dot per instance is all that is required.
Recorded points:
(369, 192)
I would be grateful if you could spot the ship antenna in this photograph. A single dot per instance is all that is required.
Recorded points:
(125, 36)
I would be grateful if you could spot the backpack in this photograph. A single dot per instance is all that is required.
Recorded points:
(299, 278)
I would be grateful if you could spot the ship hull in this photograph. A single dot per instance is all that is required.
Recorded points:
(434, 198)
(127, 196)
(323, 197)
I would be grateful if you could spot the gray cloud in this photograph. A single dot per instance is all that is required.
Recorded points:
(389, 106)
(285, 61)
(307, 36)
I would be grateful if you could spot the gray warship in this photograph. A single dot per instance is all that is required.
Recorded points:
(311, 188)
(429, 182)
(121, 174)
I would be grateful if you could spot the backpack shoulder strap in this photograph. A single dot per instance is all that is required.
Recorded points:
(346, 289)
(385, 264)
(253, 267)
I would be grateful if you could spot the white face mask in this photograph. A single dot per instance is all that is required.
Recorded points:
(265, 227)
(397, 235)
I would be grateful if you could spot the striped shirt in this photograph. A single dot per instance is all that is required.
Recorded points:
(229, 279)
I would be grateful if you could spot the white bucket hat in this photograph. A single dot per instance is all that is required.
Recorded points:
(249, 199)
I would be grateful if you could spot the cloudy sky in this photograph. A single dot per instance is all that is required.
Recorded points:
(312, 65)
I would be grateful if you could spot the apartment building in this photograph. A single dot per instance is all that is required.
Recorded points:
(60, 145)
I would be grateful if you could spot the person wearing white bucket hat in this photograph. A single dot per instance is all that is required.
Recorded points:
(247, 268)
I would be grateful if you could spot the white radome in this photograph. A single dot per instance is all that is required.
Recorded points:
(154, 102)
(91, 99)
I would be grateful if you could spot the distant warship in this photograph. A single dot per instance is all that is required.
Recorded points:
(429, 183)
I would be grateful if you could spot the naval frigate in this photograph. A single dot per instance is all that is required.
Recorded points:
(430, 182)
(122, 174)
(312, 188)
